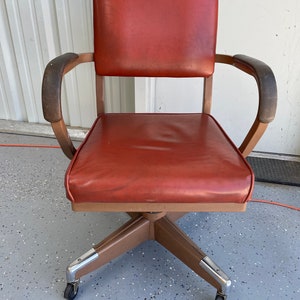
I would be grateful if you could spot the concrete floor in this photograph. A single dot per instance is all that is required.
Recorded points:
(40, 236)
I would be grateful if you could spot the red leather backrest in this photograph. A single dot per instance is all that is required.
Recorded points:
(171, 38)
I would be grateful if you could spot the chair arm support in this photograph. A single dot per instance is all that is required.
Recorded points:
(265, 81)
(267, 90)
(51, 95)
(266, 85)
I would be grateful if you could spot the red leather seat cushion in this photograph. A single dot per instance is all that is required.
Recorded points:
(165, 158)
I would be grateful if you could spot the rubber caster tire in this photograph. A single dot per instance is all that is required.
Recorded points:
(220, 297)
(71, 291)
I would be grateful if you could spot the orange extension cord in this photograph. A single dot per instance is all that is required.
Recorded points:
(275, 203)
(30, 146)
(58, 147)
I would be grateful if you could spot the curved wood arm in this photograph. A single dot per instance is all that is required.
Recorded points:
(51, 95)
(267, 90)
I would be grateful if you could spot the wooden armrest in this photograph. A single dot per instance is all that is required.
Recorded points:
(51, 95)
(267, 90)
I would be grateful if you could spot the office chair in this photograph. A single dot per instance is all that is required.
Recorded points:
(156, 167)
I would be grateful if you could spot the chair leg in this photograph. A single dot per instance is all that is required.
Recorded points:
(130, 235)
(140, 228)
(169, 235)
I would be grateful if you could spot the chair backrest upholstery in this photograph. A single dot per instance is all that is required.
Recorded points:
(170, 38)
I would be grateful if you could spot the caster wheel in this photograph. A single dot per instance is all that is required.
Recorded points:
(71, 290)
(220, 297)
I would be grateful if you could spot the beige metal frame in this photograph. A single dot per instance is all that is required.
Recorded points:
(159, 226)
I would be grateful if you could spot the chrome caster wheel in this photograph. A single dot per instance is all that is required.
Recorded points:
(71, 290)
